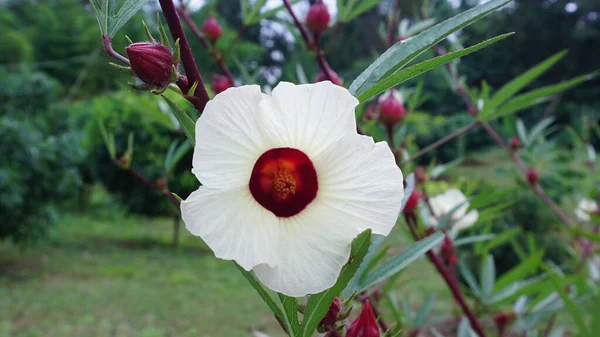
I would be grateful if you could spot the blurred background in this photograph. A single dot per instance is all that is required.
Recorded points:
(87, 250)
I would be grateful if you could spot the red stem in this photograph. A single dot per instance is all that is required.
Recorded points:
(187, 58)
(107, 44)
(200, 36)
(392, 24)
(321, 59)
(301, 28)
(153, 186)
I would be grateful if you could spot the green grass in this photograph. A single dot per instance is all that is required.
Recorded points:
(106, 273)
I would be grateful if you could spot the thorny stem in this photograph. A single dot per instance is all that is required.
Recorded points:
(153, 186)
(450, 281)
(200, 36)
(107, 44)
(187, 58)
(441, 141)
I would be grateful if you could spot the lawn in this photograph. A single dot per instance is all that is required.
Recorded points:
(106, 273)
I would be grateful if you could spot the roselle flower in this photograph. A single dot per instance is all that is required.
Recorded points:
(318, 18)
(365, 325)
(152, 63)
(515, 143)
(211, 29)
(391, 108)
(444, 203)
(532, 176)
(412, 202)
(332, 314)
(287, 183)
(335, 79)
(220, 83)
(584, 208)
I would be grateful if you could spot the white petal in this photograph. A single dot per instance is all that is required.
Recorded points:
(308, 117)
(315, 245)
(466, 221)
(233, 225)
(228, 140)
(361, 179)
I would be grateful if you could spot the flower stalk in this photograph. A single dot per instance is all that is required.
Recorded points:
(107, 44)
(153, 186)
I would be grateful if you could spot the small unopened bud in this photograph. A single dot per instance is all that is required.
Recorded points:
(532, 176)
(365, 325)
(335, 79)
(412, 202)
(503, 319)
(332, 314)
(515, 143)
(318, 18)
(211, 29)
(152, 63)
(391, 109)
(220, 83)
(420, 174)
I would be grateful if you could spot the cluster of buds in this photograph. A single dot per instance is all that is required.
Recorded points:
(503, 319)
(532, 176)
(334, 315)
(335, 79)
(448, 252)
(317, 18)
(211, 29)
(365, 325)
(413, 201)
(391, 108)
(153, 64)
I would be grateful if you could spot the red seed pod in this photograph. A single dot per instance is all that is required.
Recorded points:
(335, 79)
(532, 176)
(515, 143)
(391, 109)
(365, 325)
(318, 18)
(220, 83)
(332, 314)
(412, 202)
(211, 29)
(152, 63)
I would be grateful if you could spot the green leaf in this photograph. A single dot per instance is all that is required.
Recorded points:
(425, 66)
(354, 285)
(521, 81)
(528, 266)
(488, 276)
(424, 311)
(536, 96)
(109, 140)
(402, 260)
(538, 128)
(522, 132)
(364, 6)
(187, 124)
(579, 232)
(469, 277)
(109, 22)
(318, 304)
(290, 309)
(270, 13)
(571, 307)
(261, 291)
(464, 328)
(473, 239)
(401, 53)
(499, 240)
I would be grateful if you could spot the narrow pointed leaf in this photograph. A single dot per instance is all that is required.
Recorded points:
(187, 124)
(488, 276)
(290, 310)
(261, 291)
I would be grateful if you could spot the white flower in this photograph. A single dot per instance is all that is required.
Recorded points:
(443, 203)
(584, 207)
(594, 267)
(287, 183)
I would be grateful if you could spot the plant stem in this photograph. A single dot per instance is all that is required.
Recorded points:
(336, 32)
(107, 44)
(549, 326)
(153, 186)
(200, 36)
(321, 59)
(392, 23)
(441, 141)
(301, 28)
(187, 58)
(449, 279)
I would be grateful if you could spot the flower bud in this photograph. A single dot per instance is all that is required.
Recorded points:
(220, 83)
(211, 29)
(318, 18)
(365, 325)
(515, 143)
(448, 252)
(420, 174)
(412, 202)
(152, 63)
(391, 108)
(335, 79)
(503, 319)
(532, 176)
(332, 314)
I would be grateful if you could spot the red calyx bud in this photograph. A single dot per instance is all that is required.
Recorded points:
(152, 62)
(420, 174)
(332, 314)
(448, 252)
(515, 143)
(429, 231)
(412, 202)
(532, 176)
(211, 29)
(503, 319)
(184, 79)
(318, 18)
(365, 325)
(220, 83)
(335, 79)
(391, 110)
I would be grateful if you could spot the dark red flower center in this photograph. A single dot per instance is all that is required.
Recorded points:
(284, 181)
